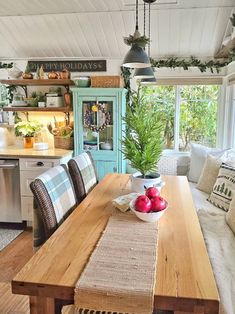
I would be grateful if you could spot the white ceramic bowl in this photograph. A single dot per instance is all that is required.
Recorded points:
(82, 81)
(40, 146)
(13, 73)
(148, 217)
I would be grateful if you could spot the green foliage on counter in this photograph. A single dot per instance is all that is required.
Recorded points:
(27, 128)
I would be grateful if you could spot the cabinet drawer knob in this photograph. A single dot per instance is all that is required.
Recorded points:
(40, 164)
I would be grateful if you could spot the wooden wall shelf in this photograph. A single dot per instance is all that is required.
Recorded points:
(32, 82)
(38, 109)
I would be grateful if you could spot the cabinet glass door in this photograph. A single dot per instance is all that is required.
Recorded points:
(98, 133)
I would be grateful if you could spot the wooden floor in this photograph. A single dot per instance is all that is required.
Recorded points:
(12, 259)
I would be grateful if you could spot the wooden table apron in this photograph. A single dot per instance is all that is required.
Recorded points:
(185, 282)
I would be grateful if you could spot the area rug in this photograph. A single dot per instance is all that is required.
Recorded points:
(7, 236)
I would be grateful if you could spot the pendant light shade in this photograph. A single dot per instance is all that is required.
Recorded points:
(149, 80)
(144, 73)
(136, 58)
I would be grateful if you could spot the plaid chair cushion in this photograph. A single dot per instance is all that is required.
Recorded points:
(60, 189)
(87, 170)
(54, 199)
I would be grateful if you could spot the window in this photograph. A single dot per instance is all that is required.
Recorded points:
(189, 113)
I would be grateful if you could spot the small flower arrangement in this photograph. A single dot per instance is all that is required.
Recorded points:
(27, 128)
(65, 131)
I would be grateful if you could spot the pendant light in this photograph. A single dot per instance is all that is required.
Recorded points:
(144, 73)
(136, 56)
(147, 76)
(149, 80)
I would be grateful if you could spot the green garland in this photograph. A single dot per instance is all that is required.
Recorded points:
(6, 65)
(126, 74)
(141, 41)
(174, 62)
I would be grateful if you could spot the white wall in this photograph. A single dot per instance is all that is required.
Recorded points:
(113, 68)
(226, 119)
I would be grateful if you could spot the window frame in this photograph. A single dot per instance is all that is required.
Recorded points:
(178, 99)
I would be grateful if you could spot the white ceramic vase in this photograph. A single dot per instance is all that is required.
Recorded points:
(139, 184)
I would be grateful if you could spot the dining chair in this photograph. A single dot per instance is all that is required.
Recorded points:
(83, 173)
(54, 200)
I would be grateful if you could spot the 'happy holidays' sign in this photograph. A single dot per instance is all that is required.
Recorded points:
(70, 65)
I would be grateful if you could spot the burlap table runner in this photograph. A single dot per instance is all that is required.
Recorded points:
(120, 275)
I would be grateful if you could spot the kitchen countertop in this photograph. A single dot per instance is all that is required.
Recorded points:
(19, 152)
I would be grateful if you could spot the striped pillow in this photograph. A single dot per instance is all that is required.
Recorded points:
(223, 188)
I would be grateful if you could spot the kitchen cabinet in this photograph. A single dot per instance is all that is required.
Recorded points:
(98, 126)
(30, 168)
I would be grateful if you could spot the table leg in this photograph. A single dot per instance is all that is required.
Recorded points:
(41, 305)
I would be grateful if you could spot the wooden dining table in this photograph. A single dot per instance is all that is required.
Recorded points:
(184, 279)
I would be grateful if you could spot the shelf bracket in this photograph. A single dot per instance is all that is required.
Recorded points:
(67, 118)
(26, 115)
(25, 90)
(67, 88)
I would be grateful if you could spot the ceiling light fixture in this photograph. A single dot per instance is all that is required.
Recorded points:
(147, 76)
(136, 56)
(149, 71)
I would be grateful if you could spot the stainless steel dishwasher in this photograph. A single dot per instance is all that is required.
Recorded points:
(10, 210)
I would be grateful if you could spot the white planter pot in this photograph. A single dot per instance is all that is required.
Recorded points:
(139, 184)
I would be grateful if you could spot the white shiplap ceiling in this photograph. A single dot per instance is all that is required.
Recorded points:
(95, 28)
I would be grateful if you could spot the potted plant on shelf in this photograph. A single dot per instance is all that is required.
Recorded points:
(27, 73)
(27, 129)
(143, 141)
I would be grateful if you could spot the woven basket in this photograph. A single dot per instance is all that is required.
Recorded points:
(63, 142)
(107, 81)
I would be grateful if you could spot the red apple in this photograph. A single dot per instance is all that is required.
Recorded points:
(152, 192)
(158, 204)
(143, 204)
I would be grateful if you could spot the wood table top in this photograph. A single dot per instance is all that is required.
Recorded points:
(184, 272)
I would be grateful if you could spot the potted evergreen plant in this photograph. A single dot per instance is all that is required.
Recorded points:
(143, 141)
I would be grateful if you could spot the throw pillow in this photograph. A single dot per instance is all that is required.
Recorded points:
(228, 157)
(230, 216)
(198, 158)
(209, 174)
(222, 193)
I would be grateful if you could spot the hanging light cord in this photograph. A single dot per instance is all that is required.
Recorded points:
(144, 17)
(149, 32)
(136, 16)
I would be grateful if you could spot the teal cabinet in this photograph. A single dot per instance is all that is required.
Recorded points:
(98, 126)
